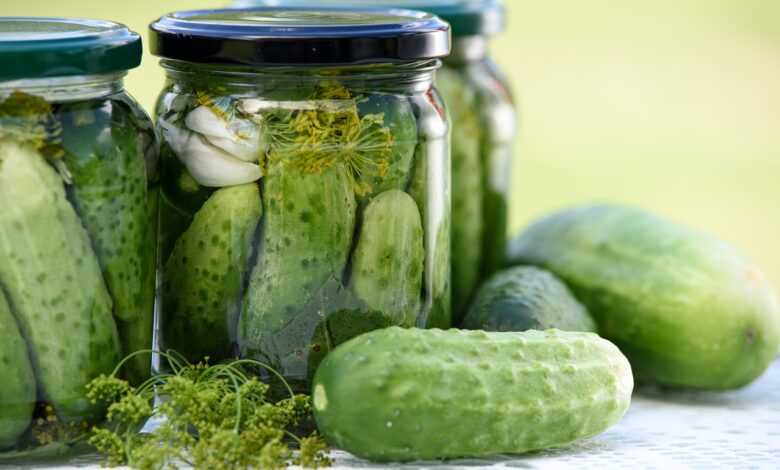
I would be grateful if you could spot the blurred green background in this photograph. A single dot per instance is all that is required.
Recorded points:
(671, 104)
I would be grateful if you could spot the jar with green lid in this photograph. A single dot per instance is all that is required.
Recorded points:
(78, 223)
(305, 180)
(482, 112)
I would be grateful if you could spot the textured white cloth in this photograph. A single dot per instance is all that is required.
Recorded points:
(662, 430)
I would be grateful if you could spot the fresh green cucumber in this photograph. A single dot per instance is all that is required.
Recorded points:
(406, 394)
(526, 298)
(104, 154)
(54, 283)
(387, 266)
(685, 307)
(467, 188)
(17, 395)
(309, 220)
(203, 277)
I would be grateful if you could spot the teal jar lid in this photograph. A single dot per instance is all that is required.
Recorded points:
(466, 17)
(59, 47)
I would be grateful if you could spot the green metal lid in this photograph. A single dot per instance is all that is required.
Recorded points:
(57, 47)
(466, 17)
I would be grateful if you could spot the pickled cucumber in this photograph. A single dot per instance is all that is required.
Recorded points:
(203, 278)
(387, 266)
(467, 209)
(309, 219)
(393, 116)
(105, 156)
(54, 283)
(17, 395)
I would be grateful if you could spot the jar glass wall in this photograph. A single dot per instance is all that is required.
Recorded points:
(484, 126)
(302, 204)
(78, 225)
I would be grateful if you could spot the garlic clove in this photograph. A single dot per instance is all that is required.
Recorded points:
(243, 150)
(238, 137)
(212, 167)
(204, 120)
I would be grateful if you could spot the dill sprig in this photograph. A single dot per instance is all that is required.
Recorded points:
(211, 417)
(314, 140)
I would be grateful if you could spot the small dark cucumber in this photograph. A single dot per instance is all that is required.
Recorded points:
(526, 298)
(685, 307)
(401, 394)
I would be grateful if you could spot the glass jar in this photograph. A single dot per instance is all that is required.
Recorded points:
(78, 222)
(305, 182)
(484, 128)
(483, 132)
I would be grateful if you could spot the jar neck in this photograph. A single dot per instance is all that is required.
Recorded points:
(468, 49)
(62, 89)
(411, 77)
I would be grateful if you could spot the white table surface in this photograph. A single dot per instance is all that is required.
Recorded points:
(670, 430)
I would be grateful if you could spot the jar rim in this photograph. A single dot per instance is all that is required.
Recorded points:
(300, 36)
(32, 48)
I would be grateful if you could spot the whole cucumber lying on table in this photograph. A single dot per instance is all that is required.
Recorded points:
(685, 307)
(406, 394)
(526, 298)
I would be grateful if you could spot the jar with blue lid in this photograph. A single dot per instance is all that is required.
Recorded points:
(305, 180)
(483, 118)
(78, 224)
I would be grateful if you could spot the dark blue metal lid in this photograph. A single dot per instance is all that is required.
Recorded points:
(467, 17)
(299, 36)
(33, 47)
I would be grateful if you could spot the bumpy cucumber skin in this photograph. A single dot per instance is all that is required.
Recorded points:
(387, 266)
(398, 116)
(54, 283)
(203, 278)
(308, 223)
(686, 308)
(104, 154)
(17, 395)
(406, 394)
(526, 298)
(467, 184)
